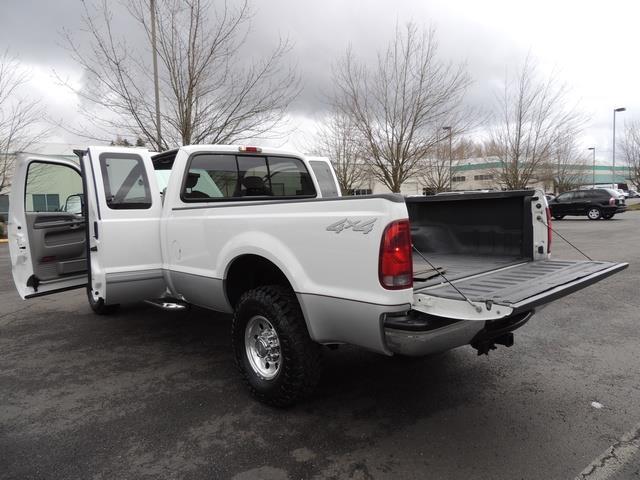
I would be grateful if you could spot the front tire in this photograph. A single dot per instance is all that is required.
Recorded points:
(99, 307)
(594, 213)
(276, 357)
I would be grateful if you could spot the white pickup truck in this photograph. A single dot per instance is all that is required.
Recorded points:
(264, 234)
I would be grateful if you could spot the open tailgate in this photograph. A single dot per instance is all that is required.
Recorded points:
(527, 285)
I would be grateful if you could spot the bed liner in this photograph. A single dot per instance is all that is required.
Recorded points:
(515, 284)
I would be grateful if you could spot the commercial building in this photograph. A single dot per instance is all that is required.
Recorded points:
(482, 174)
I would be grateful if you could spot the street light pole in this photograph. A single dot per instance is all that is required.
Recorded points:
(450, 170)
(615, 110)
(152, 7)
(594, 165)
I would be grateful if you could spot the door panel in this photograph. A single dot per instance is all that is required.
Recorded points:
(58, 244)
(124, 220)
(580, 203)
(47, 229)
(563, 205)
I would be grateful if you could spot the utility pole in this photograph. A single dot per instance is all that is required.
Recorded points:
(450, 159)
(615, 110)
(594, 165)
(152, 6)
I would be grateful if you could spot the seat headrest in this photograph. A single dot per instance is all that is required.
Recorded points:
(192, 179)
(251, 183)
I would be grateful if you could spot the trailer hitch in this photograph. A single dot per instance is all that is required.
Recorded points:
(498, 332)
(485, 346)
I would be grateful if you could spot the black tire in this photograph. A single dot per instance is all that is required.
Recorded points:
(558, 217)
(300, 357)
(99, 307)
(594, 213)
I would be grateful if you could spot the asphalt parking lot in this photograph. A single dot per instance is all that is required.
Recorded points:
(152, 394)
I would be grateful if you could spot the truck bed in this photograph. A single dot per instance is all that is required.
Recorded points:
(483, 243)
(471, 234)
(457, 266)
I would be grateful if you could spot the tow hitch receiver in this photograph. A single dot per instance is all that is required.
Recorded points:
(499, 332)
(484, 346)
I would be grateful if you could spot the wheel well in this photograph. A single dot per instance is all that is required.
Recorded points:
(251, 271)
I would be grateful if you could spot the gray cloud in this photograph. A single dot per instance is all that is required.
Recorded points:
(488, 36)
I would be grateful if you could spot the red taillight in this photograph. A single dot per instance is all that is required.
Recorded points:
(396, 262)
(612, 201)
(249, 149)
(549, 231)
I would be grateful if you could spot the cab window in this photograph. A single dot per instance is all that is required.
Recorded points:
(125, 181)
(213, 177)
(289, 178)
(325, 179)
(52, 188)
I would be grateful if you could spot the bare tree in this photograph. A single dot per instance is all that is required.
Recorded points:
(208, 95)
(464, 148)
(435, 173)
(631, 151)
(570, 164)
(441, 166)
(568, 167)
(338, 139)
(19, 116)
(532, 117)
(399, 105)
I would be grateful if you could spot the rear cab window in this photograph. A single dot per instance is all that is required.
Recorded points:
(219, 177)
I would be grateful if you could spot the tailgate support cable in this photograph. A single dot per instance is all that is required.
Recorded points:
(477, 308)
(560, 235)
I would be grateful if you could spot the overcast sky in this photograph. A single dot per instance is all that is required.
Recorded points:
(592, 45)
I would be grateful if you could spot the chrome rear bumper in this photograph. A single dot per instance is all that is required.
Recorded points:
(417, 334)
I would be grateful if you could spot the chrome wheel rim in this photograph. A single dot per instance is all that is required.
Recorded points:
(593, 213)
(262, 347)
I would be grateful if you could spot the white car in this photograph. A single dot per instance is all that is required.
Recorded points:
(264, 234)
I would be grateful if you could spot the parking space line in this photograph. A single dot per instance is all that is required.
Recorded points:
(614, 458)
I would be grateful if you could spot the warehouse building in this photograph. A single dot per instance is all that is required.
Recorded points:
(483, 174)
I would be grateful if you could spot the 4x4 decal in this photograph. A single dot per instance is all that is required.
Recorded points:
(364, 226)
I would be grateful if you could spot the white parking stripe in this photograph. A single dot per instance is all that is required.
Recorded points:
(614, 458)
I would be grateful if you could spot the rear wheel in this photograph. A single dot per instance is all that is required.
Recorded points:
(99, 307)
(273, 351)
(594, 213)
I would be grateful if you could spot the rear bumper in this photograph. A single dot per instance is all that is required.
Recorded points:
(417, 334)
(608, 209)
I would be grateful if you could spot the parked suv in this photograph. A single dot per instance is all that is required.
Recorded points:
(595, 204)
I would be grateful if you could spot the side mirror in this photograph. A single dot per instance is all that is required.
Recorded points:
(74, 204)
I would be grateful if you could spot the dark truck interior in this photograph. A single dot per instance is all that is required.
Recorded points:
(468, 234)
(472, 238)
